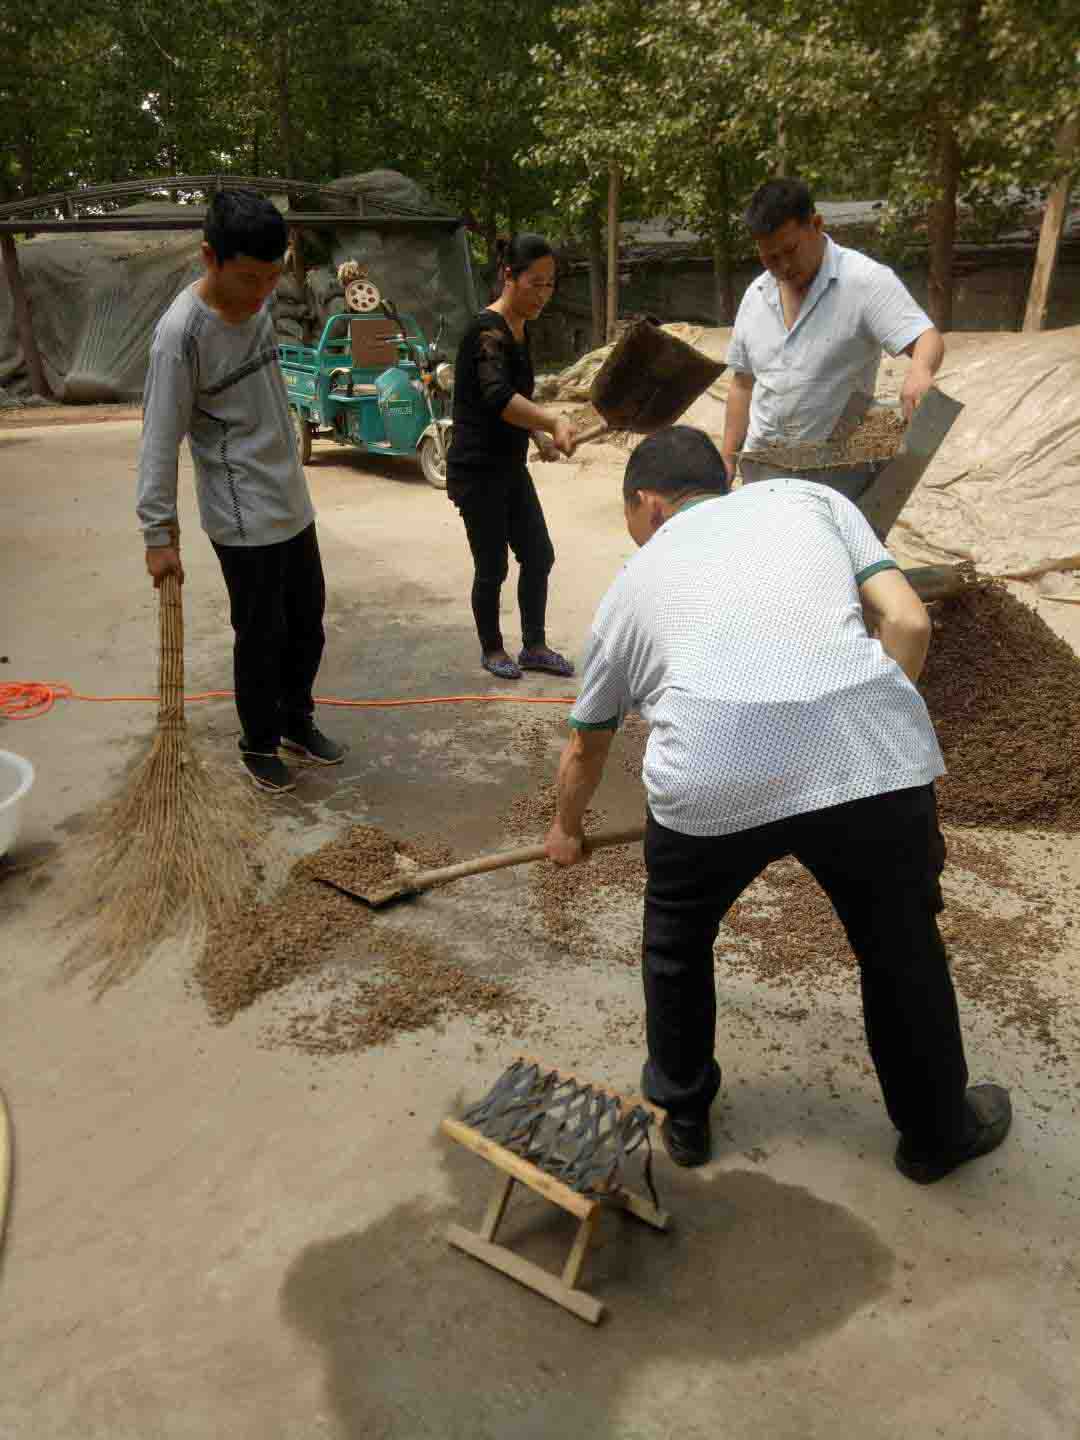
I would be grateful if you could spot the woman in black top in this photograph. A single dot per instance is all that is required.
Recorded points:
(486, 475)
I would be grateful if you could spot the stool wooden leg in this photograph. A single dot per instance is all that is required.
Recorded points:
(496, 1209)
(576, 1258)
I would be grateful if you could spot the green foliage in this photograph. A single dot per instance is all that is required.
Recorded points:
(514, 114)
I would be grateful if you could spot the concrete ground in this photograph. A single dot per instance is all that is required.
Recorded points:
(212, 1236)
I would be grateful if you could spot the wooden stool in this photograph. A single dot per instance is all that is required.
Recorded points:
(515, 1169)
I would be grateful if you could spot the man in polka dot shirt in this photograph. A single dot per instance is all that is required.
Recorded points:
(772, 646)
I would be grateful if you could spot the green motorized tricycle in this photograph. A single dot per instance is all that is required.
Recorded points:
(375, 383)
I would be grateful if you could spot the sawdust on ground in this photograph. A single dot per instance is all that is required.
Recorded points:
(310, 929)
(1004, 693)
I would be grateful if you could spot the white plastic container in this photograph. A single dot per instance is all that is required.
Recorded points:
(16, 778)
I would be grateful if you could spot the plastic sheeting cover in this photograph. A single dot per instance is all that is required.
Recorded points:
(1004, 489)
(96, 298)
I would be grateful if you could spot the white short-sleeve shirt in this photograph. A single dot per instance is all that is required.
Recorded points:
(803, 377)
(738, 634)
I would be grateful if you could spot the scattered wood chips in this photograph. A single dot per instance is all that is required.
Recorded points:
(410, 981)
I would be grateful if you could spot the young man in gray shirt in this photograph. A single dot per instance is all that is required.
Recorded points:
(214, 377)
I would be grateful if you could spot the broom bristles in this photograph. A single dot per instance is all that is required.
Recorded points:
(174, 851)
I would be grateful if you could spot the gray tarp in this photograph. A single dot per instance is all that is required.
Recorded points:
(97, 297)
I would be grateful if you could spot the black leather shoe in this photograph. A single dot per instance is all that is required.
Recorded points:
(990, 1115)
(688, 1142)
(267, 771)
(310, 743)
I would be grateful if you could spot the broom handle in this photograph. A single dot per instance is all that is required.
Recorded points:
(171, 651)
(427, 879)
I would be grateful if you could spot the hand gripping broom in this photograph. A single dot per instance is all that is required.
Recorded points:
(173, 852)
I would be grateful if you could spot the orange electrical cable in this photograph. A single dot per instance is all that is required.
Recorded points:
(27, 699)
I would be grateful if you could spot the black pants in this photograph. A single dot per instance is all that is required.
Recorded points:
(879, 860)
(276, 596)
(501, 514)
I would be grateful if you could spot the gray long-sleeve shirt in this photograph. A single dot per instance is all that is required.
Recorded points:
(220, 385)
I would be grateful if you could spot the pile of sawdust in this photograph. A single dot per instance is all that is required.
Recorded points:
(788, 935)
(308, 925)
(878, 436)
(1003, 692)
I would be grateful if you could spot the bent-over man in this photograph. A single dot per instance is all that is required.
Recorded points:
(778, 725)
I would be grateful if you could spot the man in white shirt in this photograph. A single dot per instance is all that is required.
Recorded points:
(778, 725)
(809, 333)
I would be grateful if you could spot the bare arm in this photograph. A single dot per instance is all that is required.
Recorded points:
(736, 419)
(898, 618)
(580, 769)
(927, 353)
(527, 416)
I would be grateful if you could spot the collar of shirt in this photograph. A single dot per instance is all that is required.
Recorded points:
(828, 271)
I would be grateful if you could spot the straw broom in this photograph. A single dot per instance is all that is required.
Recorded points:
(174, 852)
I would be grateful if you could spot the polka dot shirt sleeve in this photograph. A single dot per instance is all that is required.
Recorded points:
(868, 554)
(604, 698)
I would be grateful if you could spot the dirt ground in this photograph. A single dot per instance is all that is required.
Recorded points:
(214, 1234)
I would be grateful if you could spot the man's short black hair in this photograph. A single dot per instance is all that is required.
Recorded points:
(239, 222)
(674, 461)
(775, 203)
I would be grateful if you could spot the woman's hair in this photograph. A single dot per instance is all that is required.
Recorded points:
(516, 253)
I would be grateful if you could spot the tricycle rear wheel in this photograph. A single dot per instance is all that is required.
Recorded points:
(432, 463)
(302, 431)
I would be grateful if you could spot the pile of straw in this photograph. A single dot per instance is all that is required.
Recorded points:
(174, 851)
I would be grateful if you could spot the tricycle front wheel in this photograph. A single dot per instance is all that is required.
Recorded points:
(432, 463)
(302, 431)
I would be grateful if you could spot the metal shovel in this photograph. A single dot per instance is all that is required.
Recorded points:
(402, 886)
(647, 381)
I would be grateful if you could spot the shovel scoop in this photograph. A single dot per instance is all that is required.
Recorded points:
(401, 887)
(648, 381)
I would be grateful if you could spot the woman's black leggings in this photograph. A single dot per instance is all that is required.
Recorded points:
(503, 514)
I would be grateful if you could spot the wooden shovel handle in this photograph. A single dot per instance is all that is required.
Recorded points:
(592, 432)
(524, 855)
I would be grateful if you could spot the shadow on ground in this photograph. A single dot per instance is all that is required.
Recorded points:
(420, 1340)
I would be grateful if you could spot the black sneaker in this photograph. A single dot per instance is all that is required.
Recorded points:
(267, 770)
(312, 744)
(990, 1113)
(688, 1142)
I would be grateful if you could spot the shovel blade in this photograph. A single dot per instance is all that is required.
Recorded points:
(649, 379)
(376, 897)
(883, 501)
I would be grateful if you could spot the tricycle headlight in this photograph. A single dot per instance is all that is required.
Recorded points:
(444, 376)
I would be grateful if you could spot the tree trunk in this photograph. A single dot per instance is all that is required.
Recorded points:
(596, 276)
(24, 324)
(26, 165)
(723, 270)
(942, 225)
(491, 234)
(612, 252)
(1057, 205)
